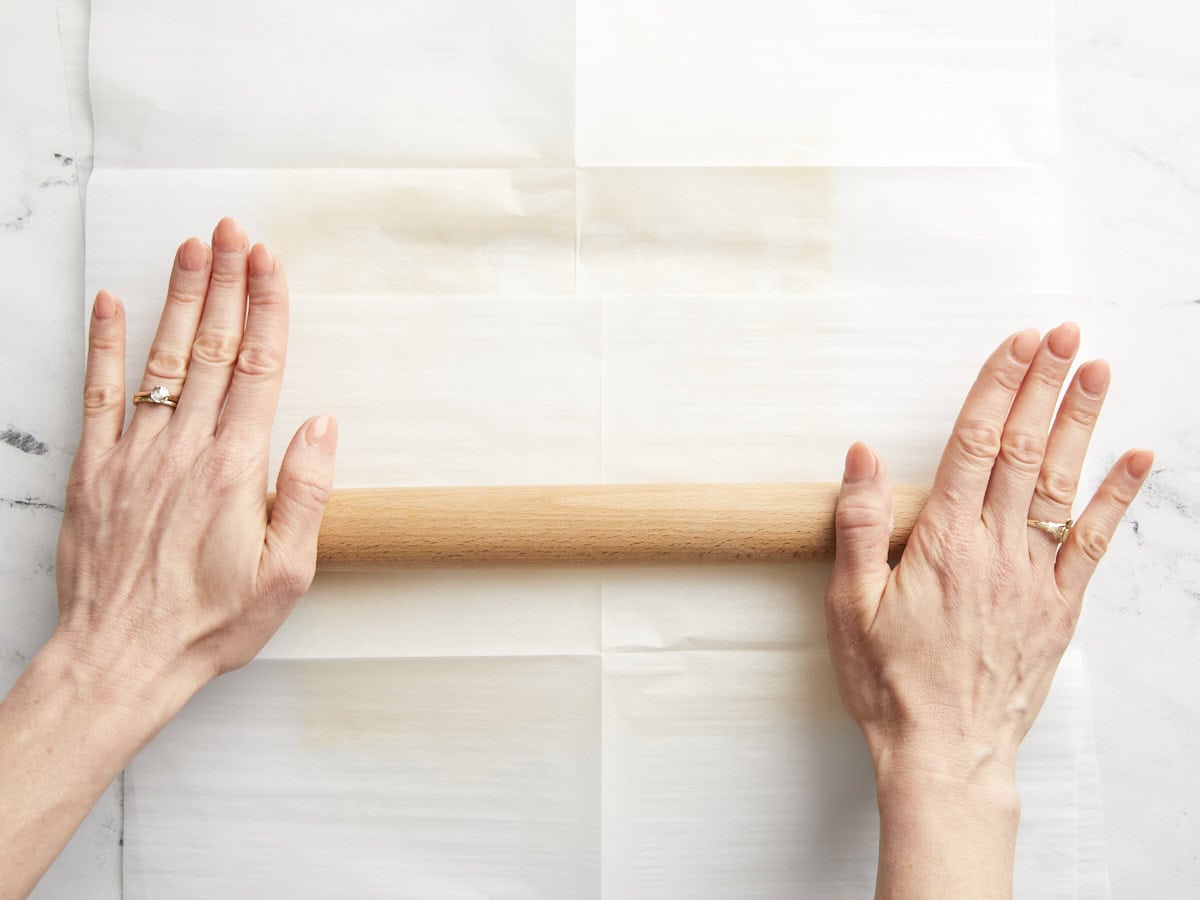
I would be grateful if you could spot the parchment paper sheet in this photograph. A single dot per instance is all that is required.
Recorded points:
(575, 242)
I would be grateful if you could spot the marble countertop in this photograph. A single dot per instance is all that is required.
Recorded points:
(1129, 95)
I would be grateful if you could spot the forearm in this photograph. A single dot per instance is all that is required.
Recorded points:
(66, 730)
(946, 832)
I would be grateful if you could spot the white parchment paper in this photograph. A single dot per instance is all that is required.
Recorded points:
(576, 242)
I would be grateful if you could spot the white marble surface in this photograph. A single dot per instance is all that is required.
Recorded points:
(1129, 82)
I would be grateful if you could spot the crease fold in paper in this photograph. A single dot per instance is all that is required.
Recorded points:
(537, 242)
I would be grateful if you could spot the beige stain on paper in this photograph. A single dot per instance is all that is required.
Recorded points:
(450, 705)
(425, 231)
(706, 231)
(645, 231)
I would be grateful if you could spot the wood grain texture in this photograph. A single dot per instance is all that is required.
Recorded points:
(588, 524)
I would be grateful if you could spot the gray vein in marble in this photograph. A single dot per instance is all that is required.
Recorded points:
(1162, 166)
(19, 221)
(1171, 496)
(23, 441)
(11, 656)
(68, 178)
(29, 503)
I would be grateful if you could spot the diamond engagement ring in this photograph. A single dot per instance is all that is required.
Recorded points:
(157, 395)
(1056, 530)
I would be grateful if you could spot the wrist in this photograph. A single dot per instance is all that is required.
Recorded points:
(980, 793)
(953, 768)
(948, 824)
(130, 687)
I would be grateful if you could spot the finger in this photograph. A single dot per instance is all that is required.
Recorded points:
(167, 362)
(1087, 542)
(863, 527)
(1023, 442)
(219, 333)
(966, 465)
(104, 378)
(301, 492)
(1054, 494)
(258, 373)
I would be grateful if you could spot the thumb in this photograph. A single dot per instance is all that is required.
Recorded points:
(862, 526)
(301, 492)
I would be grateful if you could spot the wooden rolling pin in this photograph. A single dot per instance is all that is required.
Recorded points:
(587, 524)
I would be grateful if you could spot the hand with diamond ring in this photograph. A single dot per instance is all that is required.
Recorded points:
(170, 569)
(945, 660)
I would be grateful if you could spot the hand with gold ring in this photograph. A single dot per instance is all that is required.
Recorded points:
(169, 569)
(945, 660)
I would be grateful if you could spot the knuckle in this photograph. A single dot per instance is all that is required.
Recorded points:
(311, 492)
(1007, 373)
(215, 347)
(1122, 493)
(105, 341)
(858, 513)
(188, 292)
(170, 467)
(258, 360)
(1081, 416)
(1056, 486)
(229, 275)
(934, 543)
(225, 463)
(979, 440)
(1094, 543)
(1023, 449)
(267, 295)
(101, 397)
(166, 365)
(1049, 379)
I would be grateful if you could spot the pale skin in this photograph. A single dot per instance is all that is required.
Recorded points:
(169, 569)
(946, 660)
(166, 582)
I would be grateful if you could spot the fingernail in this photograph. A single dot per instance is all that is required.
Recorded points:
(228, 236)
(1139, 463)
(322, 433)
(1025, 344)
(1064, 340)
(1094, 378)
(262, 263)
(193, 255)
(106, 305)
(861, 464)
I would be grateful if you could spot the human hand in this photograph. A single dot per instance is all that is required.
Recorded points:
(169, 570)
(945, 661)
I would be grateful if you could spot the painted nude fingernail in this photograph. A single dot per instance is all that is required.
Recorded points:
(1094, 378)
(860, 464)
(228, 236)
(193, 255)
(106, 305)
(262, 263)
(322, 433)
(1025, 344)
(1064, 340)
(1139, 463)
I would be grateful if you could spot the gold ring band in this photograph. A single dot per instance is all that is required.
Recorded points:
(1056, 530)
(158, 395)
